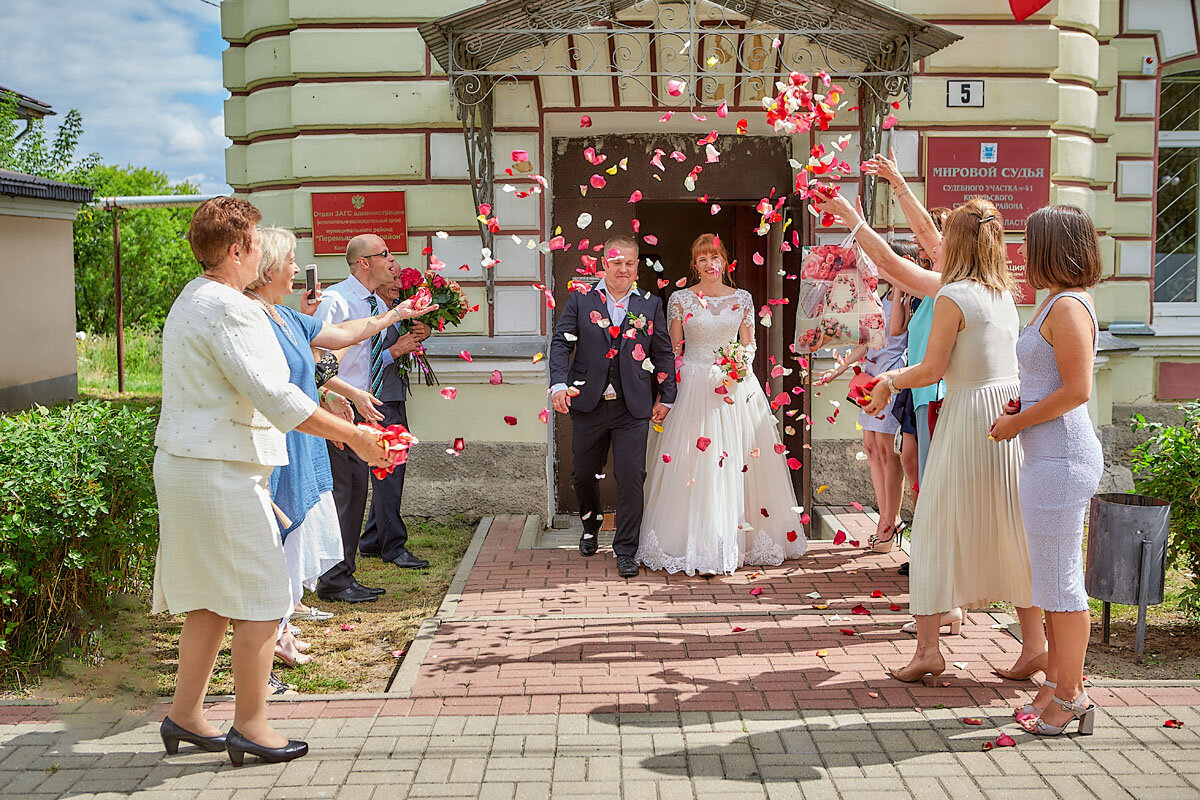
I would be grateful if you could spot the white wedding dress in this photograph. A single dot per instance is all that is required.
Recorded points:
(731, 504)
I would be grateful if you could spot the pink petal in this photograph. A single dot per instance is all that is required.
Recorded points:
(464, 355)
(890, 122)
(544, 415)
(449, 392)
(651, 239)
(856, 505)
(756, 591)
(585, 121)
(1005, 740)
(675, 87)
(520, 156)
(723, 110)
(666, 117)
(598, 181)
(497, 378)
(636, 196)
(758, 259)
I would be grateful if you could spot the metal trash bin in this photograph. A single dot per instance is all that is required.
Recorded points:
(1127, 554)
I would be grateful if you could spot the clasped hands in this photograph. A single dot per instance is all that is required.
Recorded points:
(1007, 425)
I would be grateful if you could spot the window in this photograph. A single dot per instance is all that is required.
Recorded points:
(1176, 264)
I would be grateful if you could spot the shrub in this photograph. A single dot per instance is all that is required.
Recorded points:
(78, 525)
(1167, 466)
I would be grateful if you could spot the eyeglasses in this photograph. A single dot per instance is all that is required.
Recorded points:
(385, 253)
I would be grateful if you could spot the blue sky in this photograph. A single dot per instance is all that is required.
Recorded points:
(145, 75)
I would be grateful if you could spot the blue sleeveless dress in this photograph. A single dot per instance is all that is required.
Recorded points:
(1061, 471)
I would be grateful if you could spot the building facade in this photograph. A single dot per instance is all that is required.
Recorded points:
(1089, 102)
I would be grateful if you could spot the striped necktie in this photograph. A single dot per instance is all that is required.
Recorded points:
(376, 352)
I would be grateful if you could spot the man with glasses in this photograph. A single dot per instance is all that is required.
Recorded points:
(362, 365)
(620, 377)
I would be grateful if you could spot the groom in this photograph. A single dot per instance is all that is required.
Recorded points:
(622, 359)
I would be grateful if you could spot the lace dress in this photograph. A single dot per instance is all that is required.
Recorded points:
(714, 510)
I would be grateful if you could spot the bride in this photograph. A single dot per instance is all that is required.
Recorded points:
(719, 494)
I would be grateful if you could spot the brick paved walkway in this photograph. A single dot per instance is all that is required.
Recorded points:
(547, 675)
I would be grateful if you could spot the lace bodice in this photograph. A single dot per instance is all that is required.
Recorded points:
(710, 322)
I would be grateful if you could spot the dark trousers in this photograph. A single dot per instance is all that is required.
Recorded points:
(350, 476)
(591, 434)
(386, 534)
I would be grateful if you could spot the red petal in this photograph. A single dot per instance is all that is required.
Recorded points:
(756, 591)
(510, 420)
(792, 536)
(763, 511)
(847, 631)
(987, 746)
(794, 464)
(666, 459)
(1005, 740)
(972, 720)
(465, 356)
(1172, 723)
(738, 629)
(894, 607)
(779, 449)
(861, 610)
(702, 443)
(839, 537)
(877, 593)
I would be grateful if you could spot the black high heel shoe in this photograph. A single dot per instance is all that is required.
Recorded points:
(239, 745)
(172, 735)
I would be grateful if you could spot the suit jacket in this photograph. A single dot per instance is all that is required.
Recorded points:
(394, 389)
(588, 369)
(226, 387)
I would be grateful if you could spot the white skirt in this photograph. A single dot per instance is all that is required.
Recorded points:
(711, 514)
(314, 547)
(219, 547)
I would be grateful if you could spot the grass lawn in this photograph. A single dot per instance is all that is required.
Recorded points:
(137, 653)
(96, 359)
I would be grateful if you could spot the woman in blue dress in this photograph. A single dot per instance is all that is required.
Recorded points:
(302, 490)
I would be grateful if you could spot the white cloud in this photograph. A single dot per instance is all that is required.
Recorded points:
(145, 75)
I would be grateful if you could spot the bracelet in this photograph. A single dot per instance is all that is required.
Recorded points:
(903, 192)
(891, 386)
(856, 227)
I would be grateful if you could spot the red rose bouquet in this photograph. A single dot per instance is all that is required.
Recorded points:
(733, 365)
(431, 289)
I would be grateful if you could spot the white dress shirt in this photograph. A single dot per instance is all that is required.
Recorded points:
(348, 300)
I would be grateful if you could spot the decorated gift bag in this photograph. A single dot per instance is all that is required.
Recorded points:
(839, 306)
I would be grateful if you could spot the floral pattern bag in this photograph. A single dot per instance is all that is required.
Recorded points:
(839, 305)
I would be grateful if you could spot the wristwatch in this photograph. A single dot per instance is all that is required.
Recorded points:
(891, 386)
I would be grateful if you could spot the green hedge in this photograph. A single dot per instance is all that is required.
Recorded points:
(78, 525)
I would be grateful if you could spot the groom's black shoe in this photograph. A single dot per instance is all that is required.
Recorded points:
(627, 567)
(588, 543)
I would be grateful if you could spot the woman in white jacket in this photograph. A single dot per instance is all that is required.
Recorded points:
(226, 402)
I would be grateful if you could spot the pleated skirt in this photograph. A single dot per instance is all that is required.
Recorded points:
(968, 542)
(219, 546)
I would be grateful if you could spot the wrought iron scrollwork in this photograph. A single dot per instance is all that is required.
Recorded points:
(477, 121)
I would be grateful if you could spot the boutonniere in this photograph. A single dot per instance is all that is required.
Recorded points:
(637, 321)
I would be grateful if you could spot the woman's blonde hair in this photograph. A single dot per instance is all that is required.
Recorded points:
(276, 243)
(973, 246)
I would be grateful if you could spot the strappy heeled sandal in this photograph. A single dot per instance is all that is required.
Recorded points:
(880, 545)
(1080, 709)
(1029, 710)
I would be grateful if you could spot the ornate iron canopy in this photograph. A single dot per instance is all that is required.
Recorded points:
(719, 50)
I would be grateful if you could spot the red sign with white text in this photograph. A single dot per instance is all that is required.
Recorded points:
(337, 217)
(1012, 172)
(1025, 294)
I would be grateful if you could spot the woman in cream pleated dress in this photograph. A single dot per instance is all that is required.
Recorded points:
(226, 401)
(972, 550)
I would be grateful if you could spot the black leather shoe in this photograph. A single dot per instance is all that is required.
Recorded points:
(172, 735)
(351, 594)
(407, 560)
(238, 746)
(371, 589)
(588, 543)
(904, 568)
(627, 567)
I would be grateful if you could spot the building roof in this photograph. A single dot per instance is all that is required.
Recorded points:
(18, 184)
(28, 107)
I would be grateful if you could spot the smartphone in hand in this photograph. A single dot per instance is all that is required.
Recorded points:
(310, 277)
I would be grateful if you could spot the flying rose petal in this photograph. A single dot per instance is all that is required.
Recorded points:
(464, 355)
(792, 536)
(839, 537)
(714, 209)
(636, 196)
(544, 415)
(497, 378)
(598, 181)
(509, 420)
(666, 117)
(675, 87)
(666, 458)
(585, 121)
(702, 443)
(449, 392)
(723, 110)
(583, 220)
(794, 463)
(520, 156)
(650, 239)
(538, 357)
(890, 122)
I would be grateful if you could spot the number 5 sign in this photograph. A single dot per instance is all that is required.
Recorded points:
(964, 94)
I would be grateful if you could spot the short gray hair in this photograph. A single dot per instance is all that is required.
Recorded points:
(276, 244)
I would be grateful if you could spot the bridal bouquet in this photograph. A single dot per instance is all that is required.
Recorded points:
(733, 365)
(452, 308)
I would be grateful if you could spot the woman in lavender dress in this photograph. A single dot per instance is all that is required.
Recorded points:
(1063, 459)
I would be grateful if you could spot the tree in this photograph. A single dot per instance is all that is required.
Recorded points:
(156, 260)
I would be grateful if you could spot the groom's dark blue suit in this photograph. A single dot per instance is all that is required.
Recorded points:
(624, 421)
